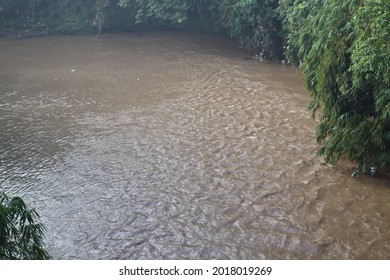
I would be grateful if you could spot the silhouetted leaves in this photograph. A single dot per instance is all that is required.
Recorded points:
(21, 233)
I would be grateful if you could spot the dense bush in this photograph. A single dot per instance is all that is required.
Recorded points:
(255, 23)
(344, 47)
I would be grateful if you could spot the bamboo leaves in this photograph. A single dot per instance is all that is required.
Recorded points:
(345, 52)
(21, 233)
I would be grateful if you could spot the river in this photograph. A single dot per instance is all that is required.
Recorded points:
(173, 146)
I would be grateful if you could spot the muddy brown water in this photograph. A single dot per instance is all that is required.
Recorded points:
(172, 146)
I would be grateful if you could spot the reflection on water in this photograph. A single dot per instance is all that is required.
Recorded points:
(172, 146)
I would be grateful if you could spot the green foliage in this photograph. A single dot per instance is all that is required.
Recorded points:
(150, 10)
(345, 51)
(21, 234)
(255, 23)
(370, 70)
(294, 14)
(74, 16)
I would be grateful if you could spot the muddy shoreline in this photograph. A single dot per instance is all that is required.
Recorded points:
(26, 33)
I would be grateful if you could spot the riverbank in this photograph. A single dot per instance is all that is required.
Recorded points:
(26, 33)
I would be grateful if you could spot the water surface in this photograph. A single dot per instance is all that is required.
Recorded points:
(172, 146)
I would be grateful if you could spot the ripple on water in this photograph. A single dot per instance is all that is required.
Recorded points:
(168, 146)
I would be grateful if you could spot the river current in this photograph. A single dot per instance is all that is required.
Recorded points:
(173, 146)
